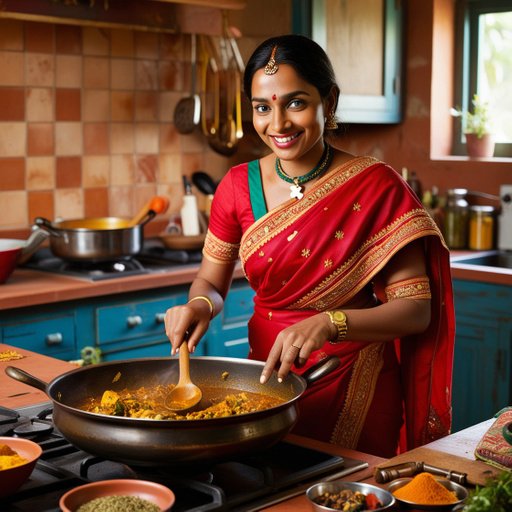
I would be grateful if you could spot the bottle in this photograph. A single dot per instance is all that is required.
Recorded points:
(189, 211)
(413, 181)
(481, 227)
(456, 218)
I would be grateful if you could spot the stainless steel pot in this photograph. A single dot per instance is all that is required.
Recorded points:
(146, 442)
(95, 239)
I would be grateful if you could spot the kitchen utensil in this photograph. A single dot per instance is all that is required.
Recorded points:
(317, 490)
(158, 204)
(460, 492)
(183, 242)
(210, 93)
(173, 442)
(14, 252)
(13, 478)
(94, 239)
(185, 394)
(187, 113)
(153, 492)
(383, 475)
(204, 182)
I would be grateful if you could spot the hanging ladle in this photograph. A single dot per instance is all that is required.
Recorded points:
(185, 394)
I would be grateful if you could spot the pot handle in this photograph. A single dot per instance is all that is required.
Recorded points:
(37, 237)
(47, 225)
(26, 378)
(151, 214)
(320, 369)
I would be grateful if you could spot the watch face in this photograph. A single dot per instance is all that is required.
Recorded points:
(339, 316)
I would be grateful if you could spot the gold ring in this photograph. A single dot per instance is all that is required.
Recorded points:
(295, 346)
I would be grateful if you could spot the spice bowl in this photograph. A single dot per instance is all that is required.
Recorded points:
(11, 479)
(155, 494)
(316, 491)
(461, 494)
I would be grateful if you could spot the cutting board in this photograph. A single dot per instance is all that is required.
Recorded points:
(14, 394)
(477, 471)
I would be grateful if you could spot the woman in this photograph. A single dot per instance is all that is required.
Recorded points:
(344, 261)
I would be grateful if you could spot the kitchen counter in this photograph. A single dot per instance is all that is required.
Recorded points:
(483, 274)
(27, 287)
(456, 451)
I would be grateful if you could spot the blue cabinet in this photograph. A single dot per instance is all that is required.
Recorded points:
(228, 332)
(124, 326)
(482, 377)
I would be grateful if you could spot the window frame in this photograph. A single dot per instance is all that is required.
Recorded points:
(466, 62)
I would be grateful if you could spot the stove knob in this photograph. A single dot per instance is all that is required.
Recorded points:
(160, 318)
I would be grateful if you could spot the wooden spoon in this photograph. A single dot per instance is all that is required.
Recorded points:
(158, 204)
(186, 394)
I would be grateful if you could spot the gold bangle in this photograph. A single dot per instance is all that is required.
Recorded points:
(207, 300)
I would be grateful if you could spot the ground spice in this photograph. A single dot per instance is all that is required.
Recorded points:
(119, 504)
(10, 458)
(424, 489)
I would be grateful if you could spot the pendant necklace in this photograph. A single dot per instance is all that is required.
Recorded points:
(297, 181)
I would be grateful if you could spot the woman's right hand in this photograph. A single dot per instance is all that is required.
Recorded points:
(187, 323)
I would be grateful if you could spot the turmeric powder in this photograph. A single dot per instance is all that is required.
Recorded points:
(424, 489)
(9, 458)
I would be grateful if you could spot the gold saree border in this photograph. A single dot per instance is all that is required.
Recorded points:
(218, 251)
(355, 273)
(359, 397)
(277, 220)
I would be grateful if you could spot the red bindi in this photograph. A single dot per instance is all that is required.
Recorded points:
(274, 97)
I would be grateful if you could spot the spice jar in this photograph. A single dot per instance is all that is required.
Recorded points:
(456, 218)
(481, 227)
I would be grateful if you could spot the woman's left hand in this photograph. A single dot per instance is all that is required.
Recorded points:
(294, 345)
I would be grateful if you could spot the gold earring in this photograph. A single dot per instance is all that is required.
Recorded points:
(330, 123)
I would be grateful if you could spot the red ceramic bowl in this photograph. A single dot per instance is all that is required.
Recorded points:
(10, 251)
(150, 491)
(13, 478)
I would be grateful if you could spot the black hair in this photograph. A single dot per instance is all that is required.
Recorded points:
(306, 56)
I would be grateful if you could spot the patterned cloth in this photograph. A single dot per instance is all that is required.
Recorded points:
(493, 448)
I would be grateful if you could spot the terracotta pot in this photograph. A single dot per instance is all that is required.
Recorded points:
(479, 147)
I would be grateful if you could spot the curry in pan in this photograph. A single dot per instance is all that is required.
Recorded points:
(149, 403)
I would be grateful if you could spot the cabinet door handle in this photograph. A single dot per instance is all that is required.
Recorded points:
(134, 320)
(160, 318)
(55, 338)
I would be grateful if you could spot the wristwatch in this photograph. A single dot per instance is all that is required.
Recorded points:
(339, 319)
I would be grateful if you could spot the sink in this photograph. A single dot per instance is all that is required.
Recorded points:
(495, 259)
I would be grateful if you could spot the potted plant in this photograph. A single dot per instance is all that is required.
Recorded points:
(476, 128)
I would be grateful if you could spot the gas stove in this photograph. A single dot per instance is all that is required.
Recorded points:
(247, 484)
(154, 257)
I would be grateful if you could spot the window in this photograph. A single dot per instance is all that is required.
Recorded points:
(485, 66)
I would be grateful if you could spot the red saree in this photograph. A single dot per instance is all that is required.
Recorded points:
(316, 254)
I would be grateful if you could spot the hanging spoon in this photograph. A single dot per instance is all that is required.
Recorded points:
(185, 394)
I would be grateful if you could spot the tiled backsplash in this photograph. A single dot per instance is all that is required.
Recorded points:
(86, 121)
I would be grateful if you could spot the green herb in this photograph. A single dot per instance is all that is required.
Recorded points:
(119, 504)
(495, 496)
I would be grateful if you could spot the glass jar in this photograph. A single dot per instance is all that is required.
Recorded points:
(481, 227)
(456, 219)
